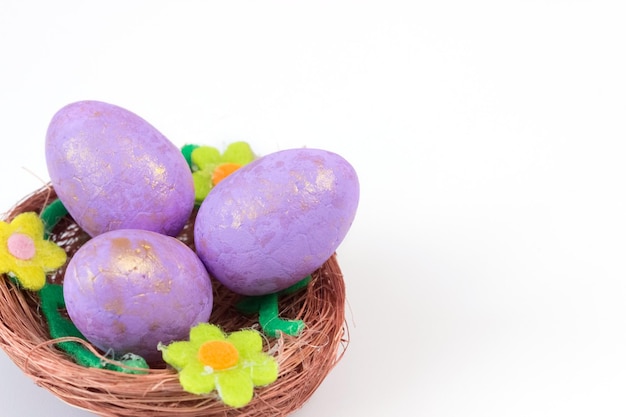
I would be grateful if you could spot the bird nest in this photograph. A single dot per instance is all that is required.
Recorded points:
(304, 360)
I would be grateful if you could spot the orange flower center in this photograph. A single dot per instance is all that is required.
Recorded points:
(21, 246)
(224, 170)
(218, 354)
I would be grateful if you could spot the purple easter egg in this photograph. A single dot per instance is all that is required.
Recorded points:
(129, 290)
(113, 170)
(276, 220)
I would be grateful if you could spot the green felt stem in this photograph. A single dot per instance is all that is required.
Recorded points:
(271, 323)
(297, 286)
(51, 216)
(267, 307)
(52, 301)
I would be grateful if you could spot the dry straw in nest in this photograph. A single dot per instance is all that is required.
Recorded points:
(304, 360)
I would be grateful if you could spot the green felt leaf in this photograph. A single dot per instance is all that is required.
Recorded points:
(265, 369)
(203, 156)
(195, 380)
(247, 342)
(204, 332)
(234, 387)
(202, 184)
(178, 354)
(238, 153)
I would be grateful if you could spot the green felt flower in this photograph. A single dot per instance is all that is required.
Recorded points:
(232, 364)
(210, 167)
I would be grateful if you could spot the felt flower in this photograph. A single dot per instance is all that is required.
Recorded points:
(25, 254)
(210, 167)
(233, 364)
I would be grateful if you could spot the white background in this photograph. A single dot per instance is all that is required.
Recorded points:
(485, 269)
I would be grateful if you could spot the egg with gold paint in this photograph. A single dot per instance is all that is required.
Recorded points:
(129, 290)
(276, 220)
(113, 170)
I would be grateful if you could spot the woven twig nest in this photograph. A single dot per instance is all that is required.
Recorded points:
(304, 360)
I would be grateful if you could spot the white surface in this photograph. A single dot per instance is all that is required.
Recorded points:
(485, 269)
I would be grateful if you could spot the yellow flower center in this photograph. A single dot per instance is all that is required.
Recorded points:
(218, 354)
(21, 246)
(224, 170)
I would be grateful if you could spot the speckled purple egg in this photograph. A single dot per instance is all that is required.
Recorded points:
(113, 170)
(276, 220)
(128, 290)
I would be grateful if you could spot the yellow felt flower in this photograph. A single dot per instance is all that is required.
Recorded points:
(25, 254)
(232, 364)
